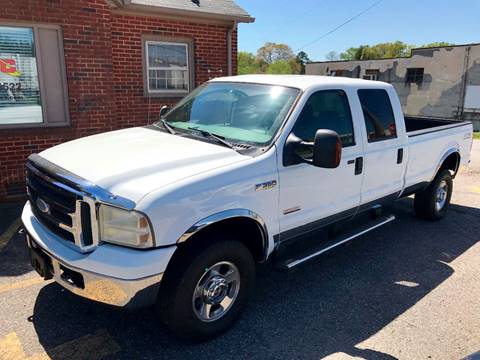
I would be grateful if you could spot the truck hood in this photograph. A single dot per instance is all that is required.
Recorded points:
(133, 162)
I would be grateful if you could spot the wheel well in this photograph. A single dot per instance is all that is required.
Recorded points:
(451, 163)
(245, 229)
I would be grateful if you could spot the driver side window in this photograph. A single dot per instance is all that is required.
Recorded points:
(326, 109)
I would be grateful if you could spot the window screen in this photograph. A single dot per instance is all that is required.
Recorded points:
(378, 114)
(327, 109)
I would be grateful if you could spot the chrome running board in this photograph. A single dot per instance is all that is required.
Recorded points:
(329, 245)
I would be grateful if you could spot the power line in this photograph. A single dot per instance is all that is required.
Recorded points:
(340, 26)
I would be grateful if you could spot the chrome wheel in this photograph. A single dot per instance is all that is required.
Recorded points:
(441, 196)
(216, 291)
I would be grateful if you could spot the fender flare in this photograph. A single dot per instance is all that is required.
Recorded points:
(229, 214)
(444, 157)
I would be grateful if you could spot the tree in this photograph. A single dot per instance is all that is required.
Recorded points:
(279, 67)
(301, 60)
(377, 51)
(353, 53)
(438, 44)
(271, 52)
(331, 56)
(247, 63)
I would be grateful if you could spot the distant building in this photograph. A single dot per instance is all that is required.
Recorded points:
(433, 82)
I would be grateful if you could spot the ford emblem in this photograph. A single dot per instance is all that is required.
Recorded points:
(43, 206)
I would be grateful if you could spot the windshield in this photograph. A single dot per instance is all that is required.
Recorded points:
(239, 112)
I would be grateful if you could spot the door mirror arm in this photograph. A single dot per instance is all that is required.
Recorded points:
(163, 111)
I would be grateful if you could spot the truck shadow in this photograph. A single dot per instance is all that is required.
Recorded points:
(327, 306)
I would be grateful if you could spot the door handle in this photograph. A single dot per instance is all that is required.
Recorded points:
(399, 156)
(358, 165)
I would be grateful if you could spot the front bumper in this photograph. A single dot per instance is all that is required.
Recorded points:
(111, 274)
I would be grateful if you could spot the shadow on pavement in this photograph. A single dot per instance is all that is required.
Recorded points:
(327, 306)
(13, 255)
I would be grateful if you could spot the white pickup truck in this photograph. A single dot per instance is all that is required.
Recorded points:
(178, 213)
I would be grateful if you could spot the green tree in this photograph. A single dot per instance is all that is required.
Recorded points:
(247, 63)
(279, 67)
(377, 51)
(437, 44)
(301, 60)
(353, 53)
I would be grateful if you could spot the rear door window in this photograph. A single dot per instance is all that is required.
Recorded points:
(378, 114)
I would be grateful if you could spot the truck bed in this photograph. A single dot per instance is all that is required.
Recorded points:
(421, 125)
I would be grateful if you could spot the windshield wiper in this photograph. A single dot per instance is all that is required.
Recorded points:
(217, 138)
(168, 127)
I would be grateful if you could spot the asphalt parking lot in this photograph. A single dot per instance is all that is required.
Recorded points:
(410, 291)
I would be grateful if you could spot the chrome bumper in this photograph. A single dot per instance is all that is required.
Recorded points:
(130, 294)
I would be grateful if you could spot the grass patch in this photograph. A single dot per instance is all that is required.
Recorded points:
(476, 135)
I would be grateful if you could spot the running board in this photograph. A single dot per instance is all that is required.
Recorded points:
(291, 263)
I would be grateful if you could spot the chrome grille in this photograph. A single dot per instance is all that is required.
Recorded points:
(63, 209)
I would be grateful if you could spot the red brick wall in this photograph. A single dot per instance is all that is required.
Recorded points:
(210, 54)
(104, 71)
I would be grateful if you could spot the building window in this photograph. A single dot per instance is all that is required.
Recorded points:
(371, 74)
(32, 76)
(338, 73)
(167, 67)
(414, 75)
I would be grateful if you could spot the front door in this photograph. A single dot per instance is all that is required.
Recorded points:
(311, 197)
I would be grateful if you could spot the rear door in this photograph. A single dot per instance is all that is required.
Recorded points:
(384, 153)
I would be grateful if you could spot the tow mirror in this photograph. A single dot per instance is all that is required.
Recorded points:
(327, 149)
(163, 111)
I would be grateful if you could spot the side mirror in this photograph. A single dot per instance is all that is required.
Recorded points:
(324, 152)
(327, 149)
(163, 111)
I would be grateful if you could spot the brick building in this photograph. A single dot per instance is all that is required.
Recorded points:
(72, 68)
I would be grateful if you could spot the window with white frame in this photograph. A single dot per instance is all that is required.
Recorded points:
(167, 67)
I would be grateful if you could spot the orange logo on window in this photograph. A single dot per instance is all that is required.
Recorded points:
(8, 66)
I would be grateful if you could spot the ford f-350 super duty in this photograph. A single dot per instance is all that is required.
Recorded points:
(177, 214)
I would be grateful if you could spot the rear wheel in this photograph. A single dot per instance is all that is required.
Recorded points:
(432, 203)
(206, 289)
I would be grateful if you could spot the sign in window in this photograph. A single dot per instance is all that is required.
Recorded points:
(20, 101)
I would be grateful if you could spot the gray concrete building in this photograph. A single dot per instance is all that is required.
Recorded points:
(441, 82)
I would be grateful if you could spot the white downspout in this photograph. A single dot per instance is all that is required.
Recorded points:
(229, 49)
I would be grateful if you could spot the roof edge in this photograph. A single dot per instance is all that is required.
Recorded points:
(397, 58)
(127, 5)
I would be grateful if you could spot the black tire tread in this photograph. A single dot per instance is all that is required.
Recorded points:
(174, 297)
(424, 203)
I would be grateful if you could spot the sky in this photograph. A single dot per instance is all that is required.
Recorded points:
(300, 22)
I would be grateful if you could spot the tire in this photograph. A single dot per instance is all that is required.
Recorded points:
(203, 268)
(432, 203)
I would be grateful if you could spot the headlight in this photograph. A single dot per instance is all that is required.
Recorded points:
(123, 227)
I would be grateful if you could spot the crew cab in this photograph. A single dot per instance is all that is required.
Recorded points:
(178, 213)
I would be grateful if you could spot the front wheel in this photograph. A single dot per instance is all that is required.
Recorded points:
(207, 289)
(432, 203)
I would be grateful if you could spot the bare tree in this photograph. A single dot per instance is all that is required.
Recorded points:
(332, 56)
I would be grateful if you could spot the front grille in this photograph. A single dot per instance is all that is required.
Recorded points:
(60, 207)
